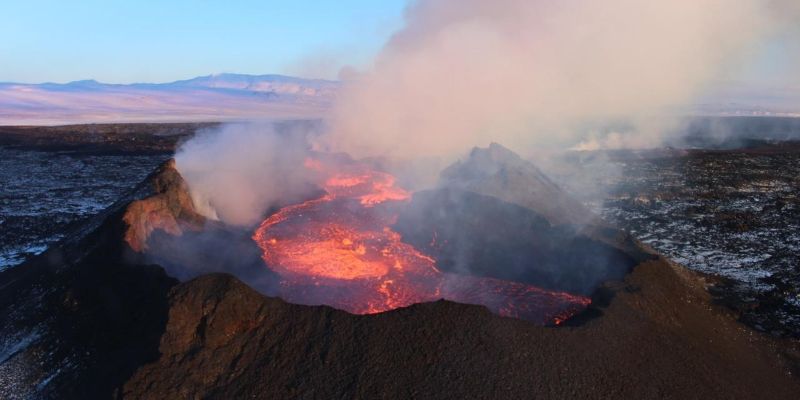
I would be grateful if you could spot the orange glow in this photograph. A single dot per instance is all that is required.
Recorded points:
(370, 188)
(340, 250)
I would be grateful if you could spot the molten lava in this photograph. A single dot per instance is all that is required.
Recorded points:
(340, 250)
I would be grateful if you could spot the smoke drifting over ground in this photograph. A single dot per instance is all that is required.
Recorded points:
(543, 74)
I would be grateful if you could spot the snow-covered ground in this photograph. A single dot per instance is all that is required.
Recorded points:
(734, 214)
(44, 192)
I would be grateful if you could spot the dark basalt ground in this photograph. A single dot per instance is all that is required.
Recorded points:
(77, 320)
(731, 213)
(100, 138)
(53, 177)
(45, 192)
(110, 139)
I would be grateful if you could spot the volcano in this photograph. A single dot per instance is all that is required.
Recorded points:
(133, 304)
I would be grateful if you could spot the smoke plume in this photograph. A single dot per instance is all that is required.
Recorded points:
(238, 171)
(533, 73)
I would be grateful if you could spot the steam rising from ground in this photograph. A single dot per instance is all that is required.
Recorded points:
(532, 73)
(238, 171)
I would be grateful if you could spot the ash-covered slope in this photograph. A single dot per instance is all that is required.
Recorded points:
(90, 320)
(658, 338)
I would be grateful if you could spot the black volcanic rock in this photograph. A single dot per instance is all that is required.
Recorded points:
(480, 235)
(91, 319)
(499, 172)
(139, 138)
(77, 320)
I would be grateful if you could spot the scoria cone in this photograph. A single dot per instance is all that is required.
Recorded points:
(89, 319)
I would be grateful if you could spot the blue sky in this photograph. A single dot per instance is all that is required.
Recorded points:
(158, 41)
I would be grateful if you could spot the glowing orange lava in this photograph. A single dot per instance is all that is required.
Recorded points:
(339, 250)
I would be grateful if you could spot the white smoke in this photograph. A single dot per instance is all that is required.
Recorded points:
(531, 73)
(238, 171)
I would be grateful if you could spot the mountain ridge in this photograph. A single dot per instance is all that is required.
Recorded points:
(217, 97)
(217, 76)
(234, 96)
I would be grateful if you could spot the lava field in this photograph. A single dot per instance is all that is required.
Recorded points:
(45, 192)
(733, 214)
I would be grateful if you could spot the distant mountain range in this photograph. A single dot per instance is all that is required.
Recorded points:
(737, 99)
(206, 98)
(225, 97)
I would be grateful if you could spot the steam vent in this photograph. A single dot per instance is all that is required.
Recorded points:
(493, 284)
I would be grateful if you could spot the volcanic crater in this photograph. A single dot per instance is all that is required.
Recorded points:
(362, 244)
(98, 309)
